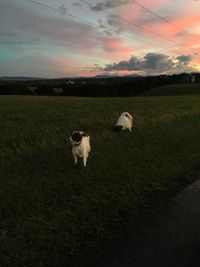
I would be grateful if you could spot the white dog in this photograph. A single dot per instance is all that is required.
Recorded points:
(80, 146)
(125, 121)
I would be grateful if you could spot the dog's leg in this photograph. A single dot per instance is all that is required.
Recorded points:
(75, 158)
(84, 160)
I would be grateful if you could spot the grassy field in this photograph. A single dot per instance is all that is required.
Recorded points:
(55, 214)
(174, 90)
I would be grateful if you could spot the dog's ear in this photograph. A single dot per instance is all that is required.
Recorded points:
(76, 136)
(127, 115)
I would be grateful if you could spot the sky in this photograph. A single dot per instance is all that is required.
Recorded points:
(72, 38)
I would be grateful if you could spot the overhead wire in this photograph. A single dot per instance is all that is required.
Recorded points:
(99, 25)
(160, 17)
(130, 22)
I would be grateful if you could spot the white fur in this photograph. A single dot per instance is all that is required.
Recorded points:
(81, 150)
(126, 121)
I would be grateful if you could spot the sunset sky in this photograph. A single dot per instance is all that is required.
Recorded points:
(67, 38)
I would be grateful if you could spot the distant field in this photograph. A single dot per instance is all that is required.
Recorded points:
(174, 89)
(55, 214)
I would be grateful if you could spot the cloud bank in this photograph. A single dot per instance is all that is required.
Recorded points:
(153, 63)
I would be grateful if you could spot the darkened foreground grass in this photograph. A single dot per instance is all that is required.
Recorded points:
(55, 214)
(174, 89)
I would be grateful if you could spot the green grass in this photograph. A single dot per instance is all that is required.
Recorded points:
(55, 214)
(174, 89)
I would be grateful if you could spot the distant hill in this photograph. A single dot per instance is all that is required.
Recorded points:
(174, 89)
(100, 76)
(20, 78)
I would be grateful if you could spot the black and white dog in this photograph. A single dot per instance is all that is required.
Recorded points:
(125, 121)
(80, 146)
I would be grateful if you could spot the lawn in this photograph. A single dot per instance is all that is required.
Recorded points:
(56, 214)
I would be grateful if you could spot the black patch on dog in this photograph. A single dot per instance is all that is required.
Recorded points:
(118, 128)
(76, 136)
(127, 115)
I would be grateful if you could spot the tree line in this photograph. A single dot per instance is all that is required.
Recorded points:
(92, 87)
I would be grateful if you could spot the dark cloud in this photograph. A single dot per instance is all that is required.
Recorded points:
(149, 61)
(152, 63)
(109, 4)
(157, 61)
(184, 59)
(132, 64)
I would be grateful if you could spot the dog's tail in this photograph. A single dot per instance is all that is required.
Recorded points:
(118, 128)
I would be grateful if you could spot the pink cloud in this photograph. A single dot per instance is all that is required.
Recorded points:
(185, 23)
(116, 45)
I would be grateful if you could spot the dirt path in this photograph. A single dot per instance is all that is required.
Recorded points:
(171, 239)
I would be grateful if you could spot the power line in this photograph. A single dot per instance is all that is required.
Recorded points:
(130, 22)
(160, 17)
(98, 25)
(65, 13)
